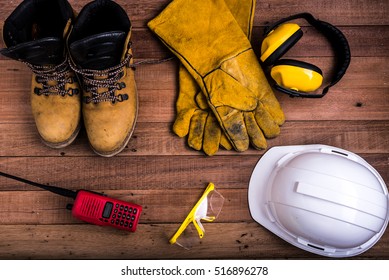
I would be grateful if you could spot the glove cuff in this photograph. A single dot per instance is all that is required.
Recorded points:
(201, 33)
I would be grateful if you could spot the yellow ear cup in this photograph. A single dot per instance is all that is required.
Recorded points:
(279, 41)
(297, 75)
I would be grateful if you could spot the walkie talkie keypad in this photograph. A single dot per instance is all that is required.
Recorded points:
(122, 215)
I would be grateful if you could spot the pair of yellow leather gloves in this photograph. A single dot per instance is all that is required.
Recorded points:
(224, 97)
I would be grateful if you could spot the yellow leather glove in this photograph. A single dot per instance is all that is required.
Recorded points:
(209, 42)
(194, 117)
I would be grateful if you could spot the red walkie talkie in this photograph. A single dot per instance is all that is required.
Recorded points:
(95, 208)
(100, 210)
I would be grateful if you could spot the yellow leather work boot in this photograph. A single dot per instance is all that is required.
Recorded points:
(101, 55)
(35, 34)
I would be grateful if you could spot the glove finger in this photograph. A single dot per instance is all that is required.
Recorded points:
(212, 134)
(272, 105)
(257, 139)
(269, 100)
(266, 122)
(196, 130)
(224, 142)
(182, 122)
(186, 102)
(233, 125)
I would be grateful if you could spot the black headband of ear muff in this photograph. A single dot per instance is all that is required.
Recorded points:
(338, 42)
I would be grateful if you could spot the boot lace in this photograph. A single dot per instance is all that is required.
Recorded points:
(60, 74)
(107, 78)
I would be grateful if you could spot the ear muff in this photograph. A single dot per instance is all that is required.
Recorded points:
(302, 77)
(296, 75)
(279, 41)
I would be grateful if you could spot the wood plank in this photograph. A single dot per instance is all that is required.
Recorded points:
(239, 241)
(133, 172)
(159, 206)
(360, 95)
(347, 12)
(144, 172)
(364, 41)
(158, 106)
(158, 139)
(361, 73)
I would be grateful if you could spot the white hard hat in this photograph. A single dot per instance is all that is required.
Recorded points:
(322, 199)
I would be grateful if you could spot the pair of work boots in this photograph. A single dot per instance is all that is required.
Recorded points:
(81, 67)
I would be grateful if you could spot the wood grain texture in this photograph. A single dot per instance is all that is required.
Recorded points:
(144, 172)
(158, 139)
(361, 95)
(156, 206)
(347, 12)
(158, 170)
(365, 41)
(243, 240)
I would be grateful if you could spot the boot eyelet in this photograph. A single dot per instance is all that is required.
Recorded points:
(122, 97)
(72, 91)
(37, 91)
(121, 85)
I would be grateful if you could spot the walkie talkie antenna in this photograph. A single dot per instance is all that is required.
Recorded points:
(53, 189)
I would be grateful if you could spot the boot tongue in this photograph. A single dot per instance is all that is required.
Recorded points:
(100, 51)
(45, 51)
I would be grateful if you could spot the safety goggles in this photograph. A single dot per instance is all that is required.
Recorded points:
(206, 209)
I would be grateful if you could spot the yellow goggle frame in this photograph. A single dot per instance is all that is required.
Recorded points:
(192, 217)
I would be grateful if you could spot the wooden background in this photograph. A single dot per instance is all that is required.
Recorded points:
(160, 172)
